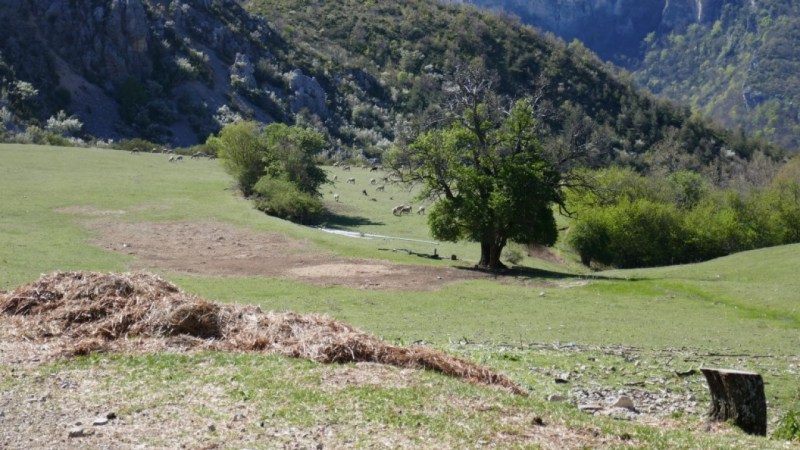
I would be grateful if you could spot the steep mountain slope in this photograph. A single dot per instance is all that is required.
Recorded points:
(364, 73)
(397, 55)
(614, 29)
(743, 68)
(149, 68)
(735, 60)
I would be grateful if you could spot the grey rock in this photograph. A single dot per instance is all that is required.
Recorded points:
(99, 421)
(591, 407)
(307, 94)
(76, 432)
(624, 402)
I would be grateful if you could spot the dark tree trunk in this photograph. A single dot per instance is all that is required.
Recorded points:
(738, 396)
(490, 255)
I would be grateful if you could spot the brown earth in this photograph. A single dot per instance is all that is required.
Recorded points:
(216, 249)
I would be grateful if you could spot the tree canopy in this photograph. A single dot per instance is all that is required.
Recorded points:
(486, 170)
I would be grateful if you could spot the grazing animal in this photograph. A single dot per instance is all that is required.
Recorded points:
(336, 164)
(373, 169)
(421, 210)
(351, 180)
(346, 168)
(381, 188)
(336, 197)
(336, 178)
(398, 210)
(179, 158)
(406, 209)
(135, 151)
(372, 181)
(364, 191)
(172, 158)
(197, 155)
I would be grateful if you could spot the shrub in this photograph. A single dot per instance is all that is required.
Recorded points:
(789, 427)
(281, 198)
(631, 234)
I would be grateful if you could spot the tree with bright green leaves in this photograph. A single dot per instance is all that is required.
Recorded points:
(275, 164)
(486, 171)
(249, 152)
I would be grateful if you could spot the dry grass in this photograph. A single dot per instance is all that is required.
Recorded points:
(88, 312)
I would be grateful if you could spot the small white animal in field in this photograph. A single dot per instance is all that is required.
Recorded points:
(351, 180)
(346, 168)
(380, 188)
(421, 210)
(336, 178)
(336, 197)
(372, 181)
(398, 210)
(407, 209)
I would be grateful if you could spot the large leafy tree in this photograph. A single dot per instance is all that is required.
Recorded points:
(486, 170)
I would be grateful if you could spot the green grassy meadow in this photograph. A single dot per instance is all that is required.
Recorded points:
(742, 311)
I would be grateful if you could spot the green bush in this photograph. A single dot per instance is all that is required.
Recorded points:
(630, 234)
(630, 220)
(281, 198)
(789, 427)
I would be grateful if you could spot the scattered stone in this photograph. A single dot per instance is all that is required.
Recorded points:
(561, 381)
(111, 416)
(556, 398)
(100, 421)
(624, 402)
(537, 421)
(590, 408)
(212, 428)
(77, 432)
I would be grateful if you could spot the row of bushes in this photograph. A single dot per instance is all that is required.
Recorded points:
(632, 221)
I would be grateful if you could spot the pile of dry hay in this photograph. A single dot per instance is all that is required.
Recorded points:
(88, 311)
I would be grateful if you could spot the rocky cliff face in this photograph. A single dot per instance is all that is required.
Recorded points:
(159, 69)
(614, 29)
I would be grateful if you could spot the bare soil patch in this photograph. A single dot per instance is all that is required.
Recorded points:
(215, 249)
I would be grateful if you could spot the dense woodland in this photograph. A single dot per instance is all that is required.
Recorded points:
(743, 69)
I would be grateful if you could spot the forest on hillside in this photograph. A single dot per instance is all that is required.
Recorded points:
(742, 69)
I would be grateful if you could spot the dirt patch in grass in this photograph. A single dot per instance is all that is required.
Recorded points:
(214, 249)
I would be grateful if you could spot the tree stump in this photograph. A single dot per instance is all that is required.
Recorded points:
(738, 396)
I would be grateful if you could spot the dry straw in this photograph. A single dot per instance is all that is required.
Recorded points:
(91, 312)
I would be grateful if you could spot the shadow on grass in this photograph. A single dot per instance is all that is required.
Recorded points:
(342, 222)
(531, 273)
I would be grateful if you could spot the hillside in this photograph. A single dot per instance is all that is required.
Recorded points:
(640, 333)
(734, 61)
(364, 74)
